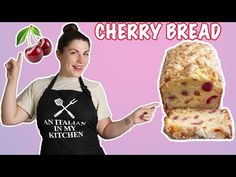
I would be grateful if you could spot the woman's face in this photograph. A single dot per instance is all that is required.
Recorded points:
(74, 58)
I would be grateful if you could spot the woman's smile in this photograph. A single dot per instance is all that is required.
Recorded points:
(78, 68)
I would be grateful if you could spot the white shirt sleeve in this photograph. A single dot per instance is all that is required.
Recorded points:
(26, 101)
(103, 110)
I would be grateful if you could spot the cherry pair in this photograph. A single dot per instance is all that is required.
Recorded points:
(35, 54)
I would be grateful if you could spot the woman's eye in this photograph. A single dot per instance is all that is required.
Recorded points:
(86, 54)
(73, 53)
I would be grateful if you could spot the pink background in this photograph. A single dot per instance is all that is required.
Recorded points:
(129, 72)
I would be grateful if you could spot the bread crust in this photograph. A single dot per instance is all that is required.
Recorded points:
(191, 60)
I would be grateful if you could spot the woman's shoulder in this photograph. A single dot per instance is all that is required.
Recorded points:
(92, 84)
(42, 81)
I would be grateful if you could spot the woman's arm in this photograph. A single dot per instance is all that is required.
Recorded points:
(10, 112)
(111, 129)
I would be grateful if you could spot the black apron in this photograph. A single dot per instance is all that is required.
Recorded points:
(67, 121)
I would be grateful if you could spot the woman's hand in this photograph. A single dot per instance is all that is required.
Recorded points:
(144, 113)
(111, 129)
(13, 67)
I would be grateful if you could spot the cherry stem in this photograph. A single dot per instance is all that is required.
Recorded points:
(35, 39)
(28, 39)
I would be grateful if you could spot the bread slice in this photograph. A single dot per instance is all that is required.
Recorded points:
(182, 124)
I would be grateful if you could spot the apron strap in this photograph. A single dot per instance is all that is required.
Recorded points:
(88, 94)
(52, 82)
(47, 90)
(84, 88)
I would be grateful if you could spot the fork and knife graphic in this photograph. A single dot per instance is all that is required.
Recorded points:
(59, 102)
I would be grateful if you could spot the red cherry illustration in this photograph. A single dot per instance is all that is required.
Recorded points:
(46, 45)
(34, 54)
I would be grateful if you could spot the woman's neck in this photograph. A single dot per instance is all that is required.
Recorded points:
(63, 74)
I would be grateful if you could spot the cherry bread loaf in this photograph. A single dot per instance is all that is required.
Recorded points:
(191, 87)
(190, 123)
(191, 77)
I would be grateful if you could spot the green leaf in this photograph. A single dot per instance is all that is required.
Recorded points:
(35, 30)
(21, 36)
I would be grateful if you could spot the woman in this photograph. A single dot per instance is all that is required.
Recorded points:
(70, 111)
